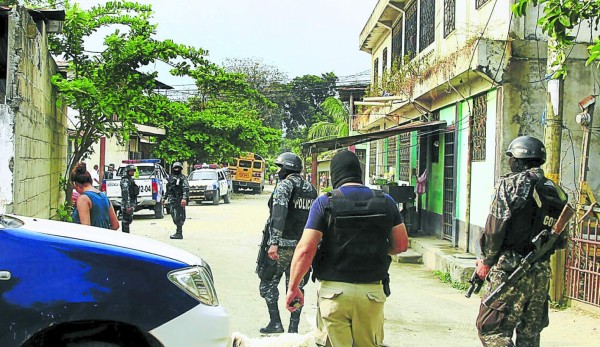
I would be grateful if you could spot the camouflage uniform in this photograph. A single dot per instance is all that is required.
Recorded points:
(178, 189)
(127, 201)
(278, 204)
(525, 305)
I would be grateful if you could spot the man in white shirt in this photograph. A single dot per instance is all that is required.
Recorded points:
(95, 177)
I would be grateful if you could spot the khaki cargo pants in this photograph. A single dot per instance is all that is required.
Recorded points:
(351, 314)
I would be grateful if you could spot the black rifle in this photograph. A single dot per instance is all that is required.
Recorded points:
(265, 266)
(539, 251)
(476, 284)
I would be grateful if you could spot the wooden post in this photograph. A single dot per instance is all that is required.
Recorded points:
(552, 141)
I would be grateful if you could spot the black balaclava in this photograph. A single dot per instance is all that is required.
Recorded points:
(176, 170)
(345, 168)
(283, 173)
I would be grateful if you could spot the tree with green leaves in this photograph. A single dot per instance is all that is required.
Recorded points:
(107, 89)
(559, 19)
(336, 125)
(300, 101)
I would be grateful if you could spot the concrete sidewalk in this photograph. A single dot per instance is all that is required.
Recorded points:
(439, 255)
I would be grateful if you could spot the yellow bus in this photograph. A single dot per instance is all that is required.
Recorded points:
(249, 173)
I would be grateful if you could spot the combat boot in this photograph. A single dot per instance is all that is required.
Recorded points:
(178, 234)
(274, 325)
(125, 228)
(294, 321)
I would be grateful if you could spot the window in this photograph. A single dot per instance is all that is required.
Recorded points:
(392, 151)
(397, 42)
(410, 35)
(376, 71)
(372, 158)
(384, 61)
(478, 127)
(427, 24)
(449, 16)
(404, 174)
(479, 3)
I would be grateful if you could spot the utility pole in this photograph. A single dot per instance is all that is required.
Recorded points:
(552, 141)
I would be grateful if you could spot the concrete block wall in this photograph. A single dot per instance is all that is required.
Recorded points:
(40, 126)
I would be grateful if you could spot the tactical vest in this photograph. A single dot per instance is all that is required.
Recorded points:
(544, 204)
(175, 186)
(134, 189)
(298, 209)
(355, 247)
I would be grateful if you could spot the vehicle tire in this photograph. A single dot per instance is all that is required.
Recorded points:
(216, 198)
(159, 212)
(226, 198)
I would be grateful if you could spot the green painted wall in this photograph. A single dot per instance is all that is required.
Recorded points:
(414, 155)
(435, 198)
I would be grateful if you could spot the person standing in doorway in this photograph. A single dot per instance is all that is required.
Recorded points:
(348, 239)
(178, 193)
(289, 206)
(129, 193)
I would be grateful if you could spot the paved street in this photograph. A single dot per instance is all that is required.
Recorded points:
(421, 311)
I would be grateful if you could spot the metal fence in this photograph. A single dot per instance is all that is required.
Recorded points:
(583, 262)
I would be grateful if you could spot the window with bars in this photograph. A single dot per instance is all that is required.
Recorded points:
(372, 157)
(404, 174)
(427, 24)
(478, 127)
(397, 42)
(392, 151)
(376, 71)
(410, 34)
(384, 61)
(449, 16)
(479, 3)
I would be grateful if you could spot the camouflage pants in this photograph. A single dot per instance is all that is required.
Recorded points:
(524, 307)
(127, 217)
(177, 212)
(268, 288)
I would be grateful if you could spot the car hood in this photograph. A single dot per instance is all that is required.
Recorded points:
(196, 183)
(108, 237)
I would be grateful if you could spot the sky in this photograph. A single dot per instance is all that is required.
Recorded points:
(296, 36)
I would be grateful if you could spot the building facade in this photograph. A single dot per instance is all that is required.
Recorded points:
(481, 70)
(33, 129)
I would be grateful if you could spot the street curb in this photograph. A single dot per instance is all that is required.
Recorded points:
(439, 255)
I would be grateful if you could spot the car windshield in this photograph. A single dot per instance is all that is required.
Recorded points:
(203, 175)
(142, 170)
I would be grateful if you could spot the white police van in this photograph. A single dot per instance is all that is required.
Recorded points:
(64, 284)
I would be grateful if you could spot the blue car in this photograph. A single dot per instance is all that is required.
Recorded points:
(64, 284)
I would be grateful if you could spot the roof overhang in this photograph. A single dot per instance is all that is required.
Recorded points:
(380, 22)
(149, 130)
(328, 145)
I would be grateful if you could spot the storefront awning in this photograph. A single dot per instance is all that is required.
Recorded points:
(328, 145)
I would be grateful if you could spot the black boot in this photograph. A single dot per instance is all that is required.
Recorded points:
(125, 228)
(274, 325)
(294, 321)
(178, 234)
